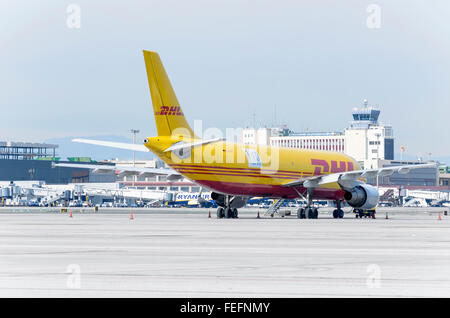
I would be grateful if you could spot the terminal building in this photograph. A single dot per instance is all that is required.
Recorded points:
(151, 182)
(28, 162)
(444, 176)
(366, 139)
(22, 161)
(26, 150)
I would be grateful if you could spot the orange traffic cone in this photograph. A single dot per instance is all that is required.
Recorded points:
(131, 215)
(439, 216)
(70, 214)
(209, 214)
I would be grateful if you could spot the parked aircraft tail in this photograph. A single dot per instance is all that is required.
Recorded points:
(169, 117)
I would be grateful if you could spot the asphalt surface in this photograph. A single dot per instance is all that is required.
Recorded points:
(183, 253)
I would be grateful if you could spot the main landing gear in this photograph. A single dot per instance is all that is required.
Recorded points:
(338, 213)
(309, 212)
(227, 211)
(312, 213)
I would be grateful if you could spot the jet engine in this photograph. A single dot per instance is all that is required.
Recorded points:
(362, 196)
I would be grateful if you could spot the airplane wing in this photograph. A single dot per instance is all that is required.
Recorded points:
(124, 170)
(112, 144)
(349, 176)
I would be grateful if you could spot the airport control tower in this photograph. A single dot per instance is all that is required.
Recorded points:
(365, 117)
(367, 140)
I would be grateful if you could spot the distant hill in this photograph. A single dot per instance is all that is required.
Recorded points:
(67, 148)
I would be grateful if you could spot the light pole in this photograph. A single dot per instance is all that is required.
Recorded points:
(134, 132)
(378, 154)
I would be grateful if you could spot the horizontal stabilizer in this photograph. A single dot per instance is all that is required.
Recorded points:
(112, 144)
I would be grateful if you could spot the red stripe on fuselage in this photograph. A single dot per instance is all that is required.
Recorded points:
(294, 175)
(188, 171)
(176, 166)
(266, 190)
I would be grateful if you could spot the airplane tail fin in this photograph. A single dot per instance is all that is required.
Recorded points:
(168, 114)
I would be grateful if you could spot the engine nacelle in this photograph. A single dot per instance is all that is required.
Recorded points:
(362, 196)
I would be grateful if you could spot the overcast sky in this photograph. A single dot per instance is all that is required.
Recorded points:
(314, 60)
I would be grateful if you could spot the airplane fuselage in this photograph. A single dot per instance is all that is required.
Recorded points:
(247, 170)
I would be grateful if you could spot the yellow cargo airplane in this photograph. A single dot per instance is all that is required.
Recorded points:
(235, 172)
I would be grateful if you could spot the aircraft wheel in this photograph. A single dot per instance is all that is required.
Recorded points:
(341, 213)
(234, 213)
(301, 213)
(315, 213)
(335, 214)
(220, 212)
(228, 213)
(309, 213)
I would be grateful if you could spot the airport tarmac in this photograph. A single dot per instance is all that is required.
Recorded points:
(183, 253)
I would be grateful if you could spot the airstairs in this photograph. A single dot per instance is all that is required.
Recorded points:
(274, 207)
